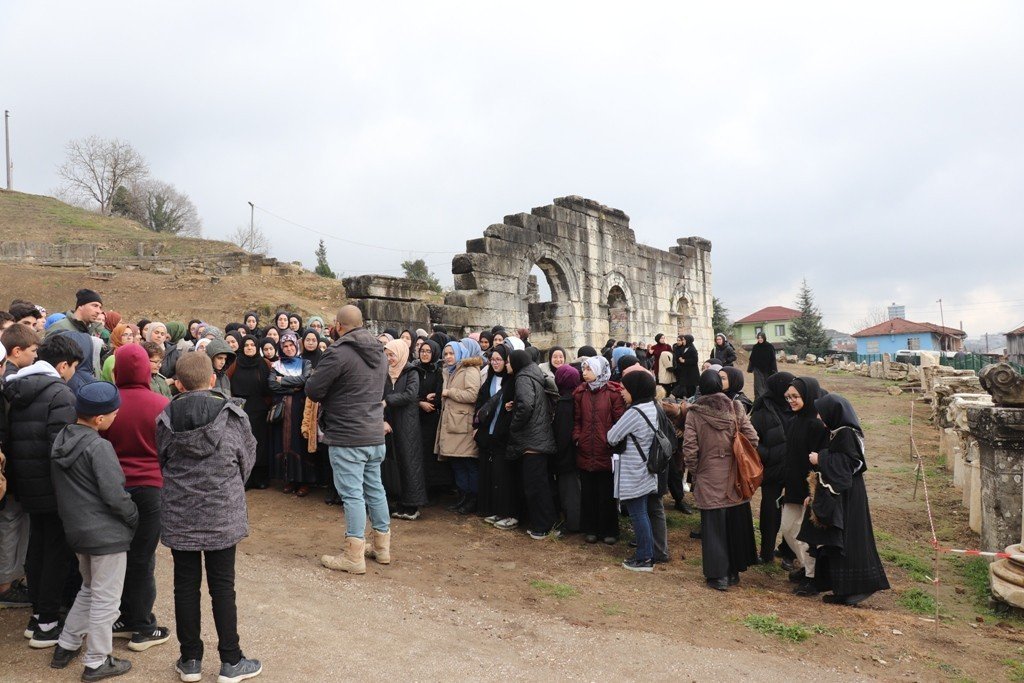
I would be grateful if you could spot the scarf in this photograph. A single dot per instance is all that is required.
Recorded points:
(567, 378)
(273, 344)
(117, 334)
(602, 371)
(316, 354)
(736, 381)
(460, 354)
(177, 331)
(401, 351)
(112, 320)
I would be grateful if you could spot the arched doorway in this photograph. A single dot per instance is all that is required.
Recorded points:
(542, 301)
(618, 314)
(684, 316)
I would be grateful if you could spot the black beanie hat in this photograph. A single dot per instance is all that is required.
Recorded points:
(86, 296)
(97, 398)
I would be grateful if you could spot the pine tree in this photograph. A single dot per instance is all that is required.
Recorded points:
(720, 317)
(417, 270)
(806, 333)
(323, 269)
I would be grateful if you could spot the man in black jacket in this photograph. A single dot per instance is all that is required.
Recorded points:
(348, 382)
(41, 405)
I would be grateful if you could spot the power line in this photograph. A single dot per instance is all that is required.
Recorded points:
(342, 239)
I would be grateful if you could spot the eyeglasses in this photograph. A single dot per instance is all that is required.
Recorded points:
(791, 399)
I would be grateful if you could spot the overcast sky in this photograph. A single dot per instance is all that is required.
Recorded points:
(876, 149)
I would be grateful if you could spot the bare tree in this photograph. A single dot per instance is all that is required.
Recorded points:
(159, 206)
(874, 316)
(251, 239)
(95, 167)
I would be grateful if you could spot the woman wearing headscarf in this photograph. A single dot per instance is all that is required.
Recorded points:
(687, 367)
(406, 336)
(429, 402)
(316, 323)
(249, 376)
(727, 526)
(486, 341)
(723, 353)
(763, 363)
(460, 371)
(659, 347)
(771, 418)
(556, 359)
(251, 320)
(618, 353)
(123, 333)
(567, 379)
(498, 499)
(532, 440)
(633, 482)
(806, 435)
(408, 486)
(598, 404)
(294, 322)
(191, 329)
(281, 322)
(311, 351)
(293, 463)
(838, 525)
(732, 384)
(268, 349)
(112, 320)
(311, 347)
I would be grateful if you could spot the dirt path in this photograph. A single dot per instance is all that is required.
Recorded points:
(463, 600)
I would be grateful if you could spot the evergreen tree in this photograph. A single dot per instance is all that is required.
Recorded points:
(417, 270)
(720, 317)
(323, 269)
(806, 333)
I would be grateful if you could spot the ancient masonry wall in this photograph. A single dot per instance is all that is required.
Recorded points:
(603, 283)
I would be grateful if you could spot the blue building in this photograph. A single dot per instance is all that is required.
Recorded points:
(898, 334)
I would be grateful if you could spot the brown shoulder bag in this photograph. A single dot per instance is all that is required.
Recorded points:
(749, 470)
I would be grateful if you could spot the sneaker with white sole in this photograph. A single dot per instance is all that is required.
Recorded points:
(541, 535)
(492, 520)
(33, 621)
(636, 565)
(189, 670)
(121, 630)
(45, 638)
(507, 524)
(143, 640)
(16, 595)
(244, 669)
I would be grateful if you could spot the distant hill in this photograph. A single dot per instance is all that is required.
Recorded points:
(137, 293)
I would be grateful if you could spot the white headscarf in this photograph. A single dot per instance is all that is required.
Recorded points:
(601, 369)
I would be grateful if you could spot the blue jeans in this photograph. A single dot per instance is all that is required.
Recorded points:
(637, 508)
(467, 473)
(357, 478)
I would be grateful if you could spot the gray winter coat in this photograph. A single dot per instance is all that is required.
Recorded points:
(348, 383)
(531, 428)
(206, 451)
(98, 515)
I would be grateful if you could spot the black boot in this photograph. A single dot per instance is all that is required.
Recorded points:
(468, 506)
(459, 502)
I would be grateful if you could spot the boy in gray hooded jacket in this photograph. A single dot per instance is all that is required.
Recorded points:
(99, 520)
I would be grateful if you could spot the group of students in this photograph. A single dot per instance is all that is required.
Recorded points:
(563, 445)
(94, 474)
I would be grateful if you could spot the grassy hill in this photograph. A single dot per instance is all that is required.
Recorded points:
(35, 218)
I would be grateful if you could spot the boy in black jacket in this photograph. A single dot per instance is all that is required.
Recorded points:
(40, 404)
(99, 521)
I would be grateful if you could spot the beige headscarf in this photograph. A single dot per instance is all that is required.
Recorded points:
(401, 351)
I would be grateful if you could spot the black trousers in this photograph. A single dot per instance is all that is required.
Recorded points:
(139, 592)
(220, 581)
(599, 515)
(675, 481)
(769, 519)
(47, 564)
(540, 504)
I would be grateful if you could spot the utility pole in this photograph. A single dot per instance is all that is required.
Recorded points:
(252, 216)
(942, 320)
(986, 342)
(7, 149)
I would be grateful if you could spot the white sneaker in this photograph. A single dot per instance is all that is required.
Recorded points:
(506, 524)
(492, 519)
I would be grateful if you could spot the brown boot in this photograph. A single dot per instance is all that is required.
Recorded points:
(351, 560)
(380, 547)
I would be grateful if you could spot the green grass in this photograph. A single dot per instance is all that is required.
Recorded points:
(883, 536)
(974, 572)
(916, 600)
(1016, 672)
(769, 569)
(900, 420)
(771, 625)
(695, 561)
(612, 610)
(918, 569)
(555, 590)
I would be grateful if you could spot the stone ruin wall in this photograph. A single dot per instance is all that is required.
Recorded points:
(603, 283)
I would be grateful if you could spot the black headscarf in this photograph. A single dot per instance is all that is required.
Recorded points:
(836, 412)
(268, 340)
(312, 356)
(249, 375)
(294, 316)
(776, 389)
(586, 351)
(519, 360)
(395, 334)
(551, 352)
(255, 316)
(762, 356)
(810, 391)
(238, 337)
(502, 351)
(641, 386)
(736, 381)
(710, 383)
(231, 327)
(188, 329)
(435, 353)
(534, 353)
(627, 361)
(489, 337)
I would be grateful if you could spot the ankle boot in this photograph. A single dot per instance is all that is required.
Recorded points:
(351, 560)
(379, 548)
(468, 506)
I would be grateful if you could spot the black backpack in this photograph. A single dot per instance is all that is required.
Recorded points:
(663, 445)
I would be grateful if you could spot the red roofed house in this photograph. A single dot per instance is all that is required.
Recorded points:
(774, 321)
(1015, 345)
(898, 334)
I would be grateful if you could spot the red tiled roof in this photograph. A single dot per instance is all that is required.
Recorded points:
(901, 326)
(1019, 330)
(769, 314)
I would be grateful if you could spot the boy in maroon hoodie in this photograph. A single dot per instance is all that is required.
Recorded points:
(133, 436)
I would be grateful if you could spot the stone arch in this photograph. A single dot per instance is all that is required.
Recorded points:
(682, 310)
(559, 273)
(621, 306)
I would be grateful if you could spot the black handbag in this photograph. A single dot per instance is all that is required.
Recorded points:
(276, 413)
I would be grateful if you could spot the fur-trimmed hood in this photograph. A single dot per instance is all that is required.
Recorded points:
(472, 362)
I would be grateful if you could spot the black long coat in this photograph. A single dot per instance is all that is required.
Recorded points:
(404, 445)
(687, 364)
(431, 382)
(770, 422)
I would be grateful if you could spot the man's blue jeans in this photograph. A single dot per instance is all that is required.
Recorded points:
(357, 478)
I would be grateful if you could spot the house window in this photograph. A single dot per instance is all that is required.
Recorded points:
(780, 330)
(758, 330)
(914, 343)
(871, 347)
